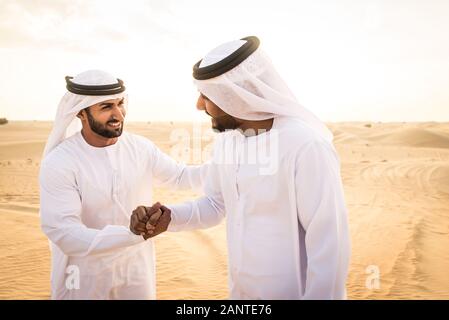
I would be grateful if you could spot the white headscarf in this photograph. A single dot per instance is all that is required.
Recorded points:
(66, 124)
(253, 90)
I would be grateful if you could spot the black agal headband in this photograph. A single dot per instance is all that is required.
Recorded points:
(88, 90)
(231, 61)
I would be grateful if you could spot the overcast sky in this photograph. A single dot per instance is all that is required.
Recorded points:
(344, 60)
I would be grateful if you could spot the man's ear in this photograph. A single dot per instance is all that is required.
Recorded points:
(81, 115)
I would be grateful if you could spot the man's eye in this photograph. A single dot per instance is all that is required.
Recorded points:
(106, 107)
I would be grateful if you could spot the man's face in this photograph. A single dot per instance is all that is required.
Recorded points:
(221, 121)
(106, 118)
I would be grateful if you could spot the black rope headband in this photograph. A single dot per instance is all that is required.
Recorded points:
(87, 90)
(231, 61)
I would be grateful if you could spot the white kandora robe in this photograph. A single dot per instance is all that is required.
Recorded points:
(87, 197)
(287, 226)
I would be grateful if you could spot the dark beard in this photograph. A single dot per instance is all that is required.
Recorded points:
(223, 123)
(101, 129)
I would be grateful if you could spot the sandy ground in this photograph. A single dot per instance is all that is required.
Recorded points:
(396, 179)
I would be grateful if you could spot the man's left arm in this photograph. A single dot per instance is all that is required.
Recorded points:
(323, 215)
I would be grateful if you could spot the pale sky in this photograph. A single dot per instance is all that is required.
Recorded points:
(344, 60)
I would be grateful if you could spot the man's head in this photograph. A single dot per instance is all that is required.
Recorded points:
(98, 99)
(221, 121)
(242, 81)
(104, 118)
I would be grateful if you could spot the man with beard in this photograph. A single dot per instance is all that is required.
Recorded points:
(287, 228)
(90, 181)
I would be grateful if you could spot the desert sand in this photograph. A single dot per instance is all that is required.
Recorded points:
(396, 180)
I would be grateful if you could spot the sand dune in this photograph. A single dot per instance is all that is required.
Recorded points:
(396, 179)
(413, 137)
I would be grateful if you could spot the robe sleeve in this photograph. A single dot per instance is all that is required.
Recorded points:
(323, 215)
(60, 212)
(204, 212)
(169, 173)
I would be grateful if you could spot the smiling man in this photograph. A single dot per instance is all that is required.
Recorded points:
(113, 127)
(90, 182)
(287, 227)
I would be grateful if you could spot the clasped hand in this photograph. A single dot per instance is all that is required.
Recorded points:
(150, 221)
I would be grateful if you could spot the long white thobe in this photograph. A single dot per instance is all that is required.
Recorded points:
(87, 197)
(287, 228)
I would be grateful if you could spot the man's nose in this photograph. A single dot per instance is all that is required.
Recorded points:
(201, 104)
(119, 113)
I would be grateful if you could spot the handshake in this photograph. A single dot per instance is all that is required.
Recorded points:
(150, 221)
